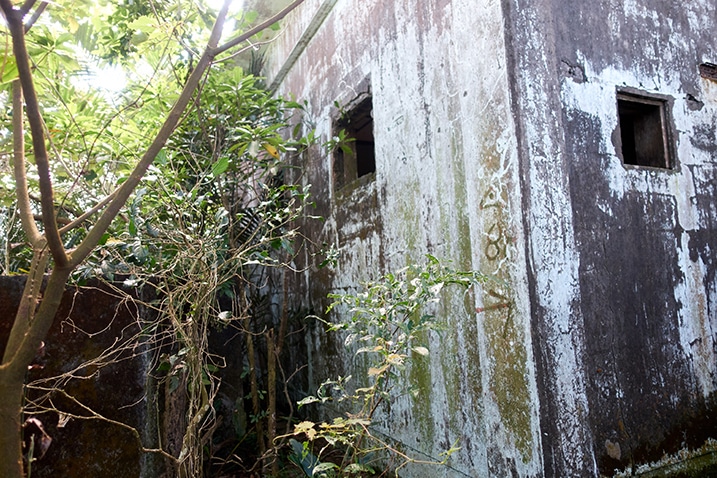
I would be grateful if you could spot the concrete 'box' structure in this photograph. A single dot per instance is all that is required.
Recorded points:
(565, 147)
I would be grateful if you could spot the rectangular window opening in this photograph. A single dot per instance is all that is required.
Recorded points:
(708, 71)
(356, 157)
(644, 134)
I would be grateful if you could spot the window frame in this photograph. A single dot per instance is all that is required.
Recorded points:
(629, 103)
(349, 165)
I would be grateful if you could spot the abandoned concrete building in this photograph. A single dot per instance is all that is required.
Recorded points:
(567, 148)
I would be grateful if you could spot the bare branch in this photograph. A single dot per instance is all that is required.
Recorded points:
(21, 190)
(65, 208)
(35, 15)
(27, 6)
(60, 220)
(262, 26)
(93, 415)
(243, 49)
(76, 222)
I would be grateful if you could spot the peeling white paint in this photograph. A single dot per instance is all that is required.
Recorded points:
(597, 97)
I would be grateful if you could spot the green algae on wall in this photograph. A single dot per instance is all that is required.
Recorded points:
(466, 329)
(409, 218)
(504, 339)
(509, 376)
(685, 463)
(421, 377)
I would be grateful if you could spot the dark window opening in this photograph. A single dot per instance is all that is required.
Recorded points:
(643, 131)
(355, 157)
(708, 71)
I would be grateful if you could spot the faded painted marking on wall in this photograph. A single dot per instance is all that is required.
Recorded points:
(505, 339)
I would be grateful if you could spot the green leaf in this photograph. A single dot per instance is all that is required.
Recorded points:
(9, 69)
(90, 175)
(161, 158)
(355, 468)
(139, 251)
(323, 467)
(307, 401)
(145, 24)
(103, 239)
(303, 457)
(220, 166)
(250, 17)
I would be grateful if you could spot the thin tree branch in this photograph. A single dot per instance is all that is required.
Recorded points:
(60, 220)
(243, 49)
(93, 415)
(79, 220)
(65, 208)
(262, 26)
(35, 15)
(28, 305)
(27, 6)
(21, 190)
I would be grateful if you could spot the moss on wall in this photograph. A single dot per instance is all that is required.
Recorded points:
(505, 341)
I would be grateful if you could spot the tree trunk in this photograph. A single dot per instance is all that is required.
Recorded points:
(29, 329)
(11, 393)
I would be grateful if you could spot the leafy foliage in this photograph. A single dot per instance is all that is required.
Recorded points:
(218, 185)
(212, 211)
(388, 324)
(212, 215)
(96, 134)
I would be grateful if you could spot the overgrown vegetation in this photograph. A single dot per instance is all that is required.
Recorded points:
(190, 200)
(388, 325)
(205, 229)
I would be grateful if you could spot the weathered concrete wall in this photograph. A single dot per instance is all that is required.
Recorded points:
(496, 147)
(105, 351)
(446, 183)
(88, 323)
(620, 256)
